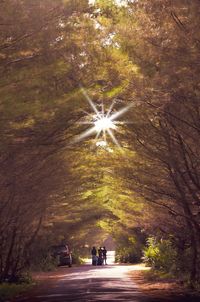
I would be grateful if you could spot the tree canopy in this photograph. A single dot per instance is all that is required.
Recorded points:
(140, 55)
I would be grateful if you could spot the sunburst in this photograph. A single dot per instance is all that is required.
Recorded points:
(104, 123)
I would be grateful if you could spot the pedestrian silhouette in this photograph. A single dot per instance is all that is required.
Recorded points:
(104, 251)
(94, 256)
(100, 258)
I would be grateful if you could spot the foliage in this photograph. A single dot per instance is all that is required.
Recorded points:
(8, 291)
(44, 263)
(145, 53)
(160, 254)
(129, 245)
(43, 60)
(165, 130)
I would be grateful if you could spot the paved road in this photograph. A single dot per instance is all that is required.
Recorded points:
(87, 283)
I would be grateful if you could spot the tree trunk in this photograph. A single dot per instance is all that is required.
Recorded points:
(194, 255)
(7, 262)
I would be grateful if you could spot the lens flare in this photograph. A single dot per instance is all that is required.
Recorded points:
(103, 123)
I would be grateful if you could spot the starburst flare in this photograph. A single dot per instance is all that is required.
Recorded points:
(104, 123)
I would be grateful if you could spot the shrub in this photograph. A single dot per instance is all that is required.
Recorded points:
(76, 259)
(45, 263)
(160, 254)
(8, 291)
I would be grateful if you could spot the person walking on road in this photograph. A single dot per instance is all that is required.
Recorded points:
(94, 256)
(100, 258)
(104, 251)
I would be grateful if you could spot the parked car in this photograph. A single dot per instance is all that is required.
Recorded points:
(63, 253)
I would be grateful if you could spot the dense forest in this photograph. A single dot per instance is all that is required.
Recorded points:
(143, 185)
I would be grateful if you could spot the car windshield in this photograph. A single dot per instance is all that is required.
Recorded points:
(58, 249)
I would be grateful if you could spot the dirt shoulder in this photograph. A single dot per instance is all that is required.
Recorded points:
(161, 289)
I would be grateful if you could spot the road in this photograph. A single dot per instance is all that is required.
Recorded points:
(87, 283)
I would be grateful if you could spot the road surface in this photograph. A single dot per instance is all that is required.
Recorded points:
(87, 283)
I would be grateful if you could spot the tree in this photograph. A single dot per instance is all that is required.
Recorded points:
(165, 170)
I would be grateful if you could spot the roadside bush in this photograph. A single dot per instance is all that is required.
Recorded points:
(129, 247)
(127, 255)
(160, 254)
(48, 263)
(8, 291)
(76, 259)
(45, 263)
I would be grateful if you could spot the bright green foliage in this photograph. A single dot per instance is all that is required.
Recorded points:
(151, 253)
(160, 254)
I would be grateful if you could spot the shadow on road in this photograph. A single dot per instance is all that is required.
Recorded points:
(89, 284)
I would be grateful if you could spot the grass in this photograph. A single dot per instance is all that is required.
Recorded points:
(10, 290)
(154, 275)
(161, 286)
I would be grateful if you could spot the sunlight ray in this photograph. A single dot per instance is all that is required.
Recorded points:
(123, 122)
(98, 133)
(85, 134)
(120, 112)
(90, 101)
(104, 122)
(104, 135)
(110, 109)
(113, 137)
(85, 123)
(102, 105)
(88, 113)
